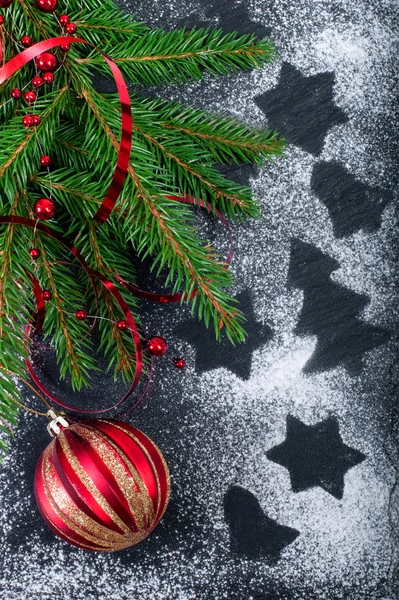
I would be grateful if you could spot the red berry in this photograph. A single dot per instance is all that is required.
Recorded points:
(64, 19)
(157, 346)
(26, 41)
(37, 81)
(81, 315)
(48, 77)
(46, 61)
(65, 47)
(2, 20)
(27, 120)
(5, 3)
(122, 325)
(47, 295)
(180, 363)
(34, 252)
(70, 28)
(45, 161)
(36, 120)
(46, 5)
(30, 96)
(44, 209)
(16, 94)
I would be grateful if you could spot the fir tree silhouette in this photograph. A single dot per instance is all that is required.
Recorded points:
(331, 312)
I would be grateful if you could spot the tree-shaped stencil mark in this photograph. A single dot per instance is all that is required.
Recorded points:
(331, 312)
(352, 205)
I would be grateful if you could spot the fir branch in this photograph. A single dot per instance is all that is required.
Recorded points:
(15, 308)
(160, 57)
(117, 346)
(177, 249)
(73, 349)
(19, 151)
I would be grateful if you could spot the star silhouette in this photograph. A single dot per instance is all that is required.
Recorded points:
(211, 354)
(228, 16)
(352, 205)
(302, 108)
(315, 455)
(252, 532)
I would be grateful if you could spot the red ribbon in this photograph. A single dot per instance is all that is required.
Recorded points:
(15, 63)
(108, 285)
(6, 71)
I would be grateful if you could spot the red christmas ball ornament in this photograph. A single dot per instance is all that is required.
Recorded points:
(47, 295)
(70, 28)
(26, 41)
(30, 96)
(16, 94)
(2, 20)
(45, 161)
(122, 325)
(46, 61)
(48, 77)
(34, 252)
(64, 19)
(5, 3)
(27, 121)
(44, 209)
(46, 5)
(36, 120)
(37, 81)
(65, 47)
(157, 346)
(101, 485)
(179, 363)
(81, 315)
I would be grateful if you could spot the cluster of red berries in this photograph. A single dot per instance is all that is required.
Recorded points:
(46, 62)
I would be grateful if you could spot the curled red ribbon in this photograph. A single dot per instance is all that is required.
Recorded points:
(100, 217)
(108, 285)
(116, 185)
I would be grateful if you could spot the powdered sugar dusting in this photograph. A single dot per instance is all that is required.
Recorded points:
(215, 429)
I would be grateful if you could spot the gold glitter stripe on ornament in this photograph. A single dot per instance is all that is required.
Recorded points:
(150, 461)
(139, 500)
(46, 476)
(165, 466)
(167, 477)
(72, 511)
(124, 477)
(148, 456)
(62, 535)
(88, 482)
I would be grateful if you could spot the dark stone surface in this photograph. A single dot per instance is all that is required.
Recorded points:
(234, 529)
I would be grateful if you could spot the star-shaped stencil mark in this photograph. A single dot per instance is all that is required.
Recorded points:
(252, 533)
(302, 108)
(227, 15)
(211, 354)
(315, 455)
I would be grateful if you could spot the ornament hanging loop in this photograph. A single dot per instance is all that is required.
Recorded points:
(58, 422)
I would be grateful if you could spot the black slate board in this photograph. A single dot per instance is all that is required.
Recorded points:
(283, 451)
